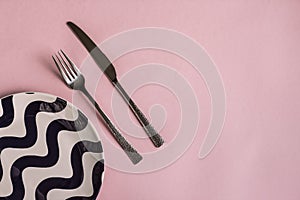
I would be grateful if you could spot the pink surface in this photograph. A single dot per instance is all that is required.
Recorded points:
(255, 45)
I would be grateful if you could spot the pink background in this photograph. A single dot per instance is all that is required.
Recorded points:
(255, 45)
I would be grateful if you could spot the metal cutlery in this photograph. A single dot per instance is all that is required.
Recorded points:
(108, 69)
(76, 81)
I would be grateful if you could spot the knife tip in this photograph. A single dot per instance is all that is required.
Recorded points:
(69, 23)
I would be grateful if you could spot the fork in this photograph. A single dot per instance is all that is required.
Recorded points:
(76, 81)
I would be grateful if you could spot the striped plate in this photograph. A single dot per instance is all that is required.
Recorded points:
(48, 149)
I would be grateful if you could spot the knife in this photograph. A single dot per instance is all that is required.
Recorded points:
(109, 70)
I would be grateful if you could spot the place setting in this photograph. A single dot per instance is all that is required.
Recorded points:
(49, 148)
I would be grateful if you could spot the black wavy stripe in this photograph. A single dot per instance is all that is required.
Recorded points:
(30, 125)
(8, 111)
(43, 161)
(78, 173)
(97, 182)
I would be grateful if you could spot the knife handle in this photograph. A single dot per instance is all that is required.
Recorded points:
(152, 134)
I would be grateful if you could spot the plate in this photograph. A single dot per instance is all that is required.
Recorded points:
(48, 149)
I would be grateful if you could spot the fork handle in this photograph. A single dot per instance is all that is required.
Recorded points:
(133, 155)
(152, 134)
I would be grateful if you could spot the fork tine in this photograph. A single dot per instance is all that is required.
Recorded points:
(64, 69)
(71, 63)
(59, 67)
(68, 66)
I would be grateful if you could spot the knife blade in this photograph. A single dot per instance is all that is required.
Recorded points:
(108, 69)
